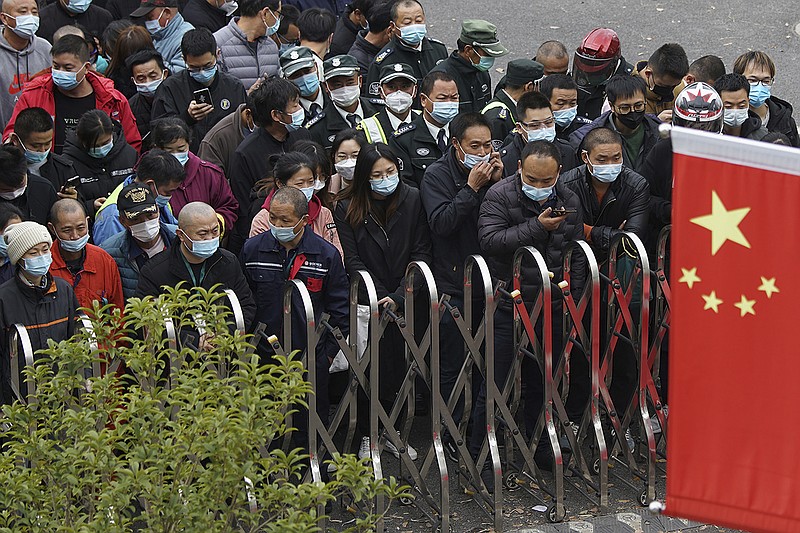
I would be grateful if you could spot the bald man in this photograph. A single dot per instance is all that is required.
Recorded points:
(93, 273)
(554, 57)
(196, 259)
(22, 53)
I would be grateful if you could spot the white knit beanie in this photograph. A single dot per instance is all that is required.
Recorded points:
(23, 236)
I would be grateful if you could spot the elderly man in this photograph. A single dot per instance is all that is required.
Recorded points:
(93, 274)
(196, 259)
(287, 252)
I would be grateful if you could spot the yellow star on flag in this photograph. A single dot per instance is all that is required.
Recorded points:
(712, 302)
(746, 306)
(768, 286)
(723, 224)
(689, 277)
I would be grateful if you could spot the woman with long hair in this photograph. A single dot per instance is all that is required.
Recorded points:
(130, 40)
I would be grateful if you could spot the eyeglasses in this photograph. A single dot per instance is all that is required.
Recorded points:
(196, 70)
(624, 109)
(766, 82)
(538, 124)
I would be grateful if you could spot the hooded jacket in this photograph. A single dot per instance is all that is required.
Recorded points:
(781, 120)
(650, 124)
(39, 93)
(17, 67)
(220, 142)
(99, 177)
(205, 182)
(167, 41)
(242, 59)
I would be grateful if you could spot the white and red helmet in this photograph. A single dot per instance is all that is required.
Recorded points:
(699, 106)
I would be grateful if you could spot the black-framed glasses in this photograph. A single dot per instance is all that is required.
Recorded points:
(624, 109)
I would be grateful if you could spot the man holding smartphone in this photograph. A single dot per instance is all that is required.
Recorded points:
(201, 95)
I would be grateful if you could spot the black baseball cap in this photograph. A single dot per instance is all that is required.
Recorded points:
(136, 199)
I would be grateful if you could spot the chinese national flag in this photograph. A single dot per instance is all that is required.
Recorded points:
(734, 419)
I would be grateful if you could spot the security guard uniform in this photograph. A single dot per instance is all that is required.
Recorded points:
(329, 122)
(380, 126)
(299, 58)
(433, 52)
(474, 86)
(416, 149)
(501, 112)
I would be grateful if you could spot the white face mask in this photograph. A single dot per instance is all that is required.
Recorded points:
(14, 194)
(345, 168)
(398, 101)
(346, 96)
(146, 231)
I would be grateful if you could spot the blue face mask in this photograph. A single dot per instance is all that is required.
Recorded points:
(66, 80)
(298, 117)
(182, 158)
(284, 234)
(471, 160)
(101, 64)
(308, 191)
(203, 249)
(78, 6)
(444, 112)
(3, 249)
(307, 84)
(385, 186)
(606, 173)
(76, 245)
(484, 64)
(285, 46)
(149, 88)
(564, 117)
(99, 152)
(413, 33)
(759, 94)
(204, 76)
(544, 134)
(37, 266)
(34, 158)
(272, 30)
(162, 201)
(536, 194)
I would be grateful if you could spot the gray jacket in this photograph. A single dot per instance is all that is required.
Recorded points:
(239, 58)
(168, 43)
(16, 68)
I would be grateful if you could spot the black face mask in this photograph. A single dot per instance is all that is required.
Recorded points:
(664, 93)
(632, 119)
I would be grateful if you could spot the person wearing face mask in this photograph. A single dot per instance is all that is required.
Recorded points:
(167, 27)
(347, 107)
(469, 65)
(316, 27)
(34, 298)
(147, 74)
(376, 35)
(278, 117)
(89, 269)
(31, 194)
(246, 48)
(196, 259)
(212, 15)
(501, 112)
(94, 19)
(33, 134)
(8, 215)
(22, 53)
(562, 92)
(409, 44)
(143, 235)
(426, 139)
(299, 66)
(158, 171)
(759, 70)
(518, 211)
(344, 153)
(290, 252)
(535, 123)
(398, 89)
(203, 181)
(288, 34)
(738, 120)
(639, 130)
(219, 144)
(662, 72)
(383, 227)
(176, 95)
(70, 89)
(295, 169)
(101, 157)
(352, 21)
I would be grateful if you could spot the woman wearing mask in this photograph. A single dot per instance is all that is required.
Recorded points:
(296, 169)
(322, 169)
(129, 41)
(8, 215)
(344, 153)
(101, 156)
(383, 228)
(204, 182)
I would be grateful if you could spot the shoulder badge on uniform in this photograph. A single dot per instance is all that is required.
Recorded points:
(503, 114)
(376, 101)
(331, 138)
(437, 41)
(383, 55)
(316, 119)
(404, 129)
(497, 144)
(375, 87)
(423, 151)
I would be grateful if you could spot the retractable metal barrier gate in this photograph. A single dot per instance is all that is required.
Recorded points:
(661, 319)
(19, 339)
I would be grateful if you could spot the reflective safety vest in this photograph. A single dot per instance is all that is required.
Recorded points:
(373, 130)
(498, 103)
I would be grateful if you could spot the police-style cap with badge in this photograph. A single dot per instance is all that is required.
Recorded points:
(522, 71)
(136, 199)
(296, 58)
(483, 35)
(343, 65)
(148, 5)
(397, 70)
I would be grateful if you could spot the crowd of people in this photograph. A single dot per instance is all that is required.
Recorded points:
(246, 143)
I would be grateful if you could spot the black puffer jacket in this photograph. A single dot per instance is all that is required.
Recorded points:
(47, 313)
(657, 170)
(508, 220)
(781, 120)
(99, 177)
(625, 201)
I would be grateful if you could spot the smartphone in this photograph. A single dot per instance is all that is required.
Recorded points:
(561, 211)
(72, 182)
(203, 96)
